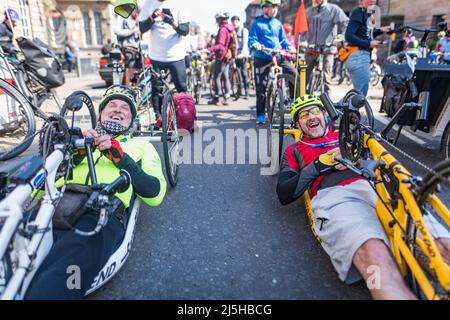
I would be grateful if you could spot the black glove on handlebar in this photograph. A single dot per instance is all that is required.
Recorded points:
(168, 19)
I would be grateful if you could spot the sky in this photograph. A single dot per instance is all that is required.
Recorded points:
(203, 11)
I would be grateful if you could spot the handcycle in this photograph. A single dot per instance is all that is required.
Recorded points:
(280, 89)
(403, 198)
(26, 235)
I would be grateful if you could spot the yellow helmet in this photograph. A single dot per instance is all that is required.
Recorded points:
(303, 102)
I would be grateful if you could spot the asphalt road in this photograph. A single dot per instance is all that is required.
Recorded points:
(222, 234)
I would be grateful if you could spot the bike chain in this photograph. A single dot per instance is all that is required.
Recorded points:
(404, 153)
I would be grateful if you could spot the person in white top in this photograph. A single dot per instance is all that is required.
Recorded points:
(128, 36)
(168, 26)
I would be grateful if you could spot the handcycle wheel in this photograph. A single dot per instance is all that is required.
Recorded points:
(170, 138)
(18, 124)
(350, 137)
(85, 117)
(281, 112)
(445, 142)
(366, 113)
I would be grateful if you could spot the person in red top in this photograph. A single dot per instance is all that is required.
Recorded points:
(288, 30)
(343, 205)
(221, 52)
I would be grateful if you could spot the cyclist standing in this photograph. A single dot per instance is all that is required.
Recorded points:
(168, 26)
(128, 36)
(288, 30)
(361, 35)
(6, 30)
(324, 19)
(267, 32)
(242, 51)
(444, 46)
(223, 54)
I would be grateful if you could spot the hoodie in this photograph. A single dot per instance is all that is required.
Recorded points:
(223, 40)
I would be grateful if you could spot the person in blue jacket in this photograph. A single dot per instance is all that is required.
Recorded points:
(267, 32)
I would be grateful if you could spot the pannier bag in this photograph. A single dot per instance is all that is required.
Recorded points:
(186, 111)
(43, 62)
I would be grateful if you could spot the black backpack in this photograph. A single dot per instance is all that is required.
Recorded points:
(42, 61)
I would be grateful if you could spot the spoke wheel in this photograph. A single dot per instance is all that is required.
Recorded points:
(170, 138)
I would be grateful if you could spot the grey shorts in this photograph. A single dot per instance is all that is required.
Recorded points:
(345, 218)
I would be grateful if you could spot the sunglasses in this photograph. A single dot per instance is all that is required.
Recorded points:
(303, 115)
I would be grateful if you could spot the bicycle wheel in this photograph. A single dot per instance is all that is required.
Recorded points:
(367, 118)
(281, 115)
(445, 142)
(170, 138)
(17, 122)
(236, 83)
(374, 78)
(85, 117)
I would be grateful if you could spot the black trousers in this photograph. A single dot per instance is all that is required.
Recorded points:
(177, 71)
(242, 65)
(89, 254)
(262, 70)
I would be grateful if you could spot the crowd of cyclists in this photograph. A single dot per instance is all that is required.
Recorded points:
(235, 47)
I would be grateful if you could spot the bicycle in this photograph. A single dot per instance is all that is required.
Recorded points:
(279, 90)
(26, 234)
(196, 76)
(235, 80)
(34, 89)
(403, 198)
(17, 122)
(375, 74)
(316, 84)
(168, 135)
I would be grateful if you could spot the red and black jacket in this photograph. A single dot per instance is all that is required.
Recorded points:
(298, 173)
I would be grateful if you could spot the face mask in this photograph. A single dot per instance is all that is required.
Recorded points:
(112, 128)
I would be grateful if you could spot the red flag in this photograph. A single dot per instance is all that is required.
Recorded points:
(301, 22)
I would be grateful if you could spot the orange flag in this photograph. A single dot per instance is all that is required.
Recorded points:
(301, 22)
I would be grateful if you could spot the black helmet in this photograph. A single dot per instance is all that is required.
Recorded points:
(119, 92)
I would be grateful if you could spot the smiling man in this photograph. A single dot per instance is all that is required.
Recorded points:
(343, 205)
(116, 150)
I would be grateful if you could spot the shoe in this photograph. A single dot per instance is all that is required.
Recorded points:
(261, 119)
(246, 96)
(214, 101)
(225, 102)
(158, 124)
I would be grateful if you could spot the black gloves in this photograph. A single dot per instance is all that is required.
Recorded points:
(168, 19)
(324, 164)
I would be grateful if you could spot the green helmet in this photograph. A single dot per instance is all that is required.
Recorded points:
(270, 3)
(119, 92)
(124, 8)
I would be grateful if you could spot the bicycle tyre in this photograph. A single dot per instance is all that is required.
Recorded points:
(367, 108)
(170, 134)
(281, 112)
(445, 142)
(27, 112)
(236, 83)
(66, 113)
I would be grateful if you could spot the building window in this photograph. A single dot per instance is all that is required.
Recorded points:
(98, 27)
(87, 28)
(24, 12)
